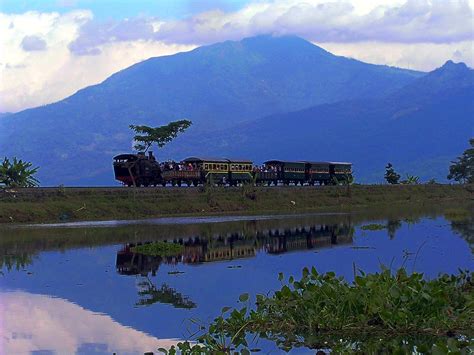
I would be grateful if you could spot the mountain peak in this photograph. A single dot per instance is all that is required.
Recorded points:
(451, 71)
(268, 43)
(451, 66)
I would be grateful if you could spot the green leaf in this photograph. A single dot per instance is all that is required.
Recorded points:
(395, 292)
(225, 309)
(244, 297)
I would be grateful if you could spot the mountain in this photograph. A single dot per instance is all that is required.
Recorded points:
(419, 128)
(216, 86)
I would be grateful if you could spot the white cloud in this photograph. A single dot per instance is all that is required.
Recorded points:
(419, 56)
(78, 50)
(33, 78)
(410, 21)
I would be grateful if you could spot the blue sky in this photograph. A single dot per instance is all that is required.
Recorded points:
(117, 9)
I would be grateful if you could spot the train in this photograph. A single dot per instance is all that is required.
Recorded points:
(144, 170)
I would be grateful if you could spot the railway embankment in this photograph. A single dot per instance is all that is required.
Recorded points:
(40, 205)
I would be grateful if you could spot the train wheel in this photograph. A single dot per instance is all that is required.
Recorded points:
(179, 182)
(195, 183)
(173, 182)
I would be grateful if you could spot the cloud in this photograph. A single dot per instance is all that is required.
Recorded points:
(34, 78)
(412, 21)
(33, 43)
(94, 34)
(419, 56)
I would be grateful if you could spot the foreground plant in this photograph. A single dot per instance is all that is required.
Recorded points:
(18, 173)
(322, 311)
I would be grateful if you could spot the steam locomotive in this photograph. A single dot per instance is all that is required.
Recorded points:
(144, 170)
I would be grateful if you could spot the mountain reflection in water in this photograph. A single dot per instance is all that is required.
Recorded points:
(235, 245)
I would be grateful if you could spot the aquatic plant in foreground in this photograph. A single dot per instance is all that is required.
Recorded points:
(323, 311)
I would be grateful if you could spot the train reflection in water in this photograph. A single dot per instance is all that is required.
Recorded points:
(236, 246)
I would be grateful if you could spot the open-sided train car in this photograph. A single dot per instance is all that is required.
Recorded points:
(220, 171)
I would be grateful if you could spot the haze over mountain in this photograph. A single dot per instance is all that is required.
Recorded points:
(231, 84)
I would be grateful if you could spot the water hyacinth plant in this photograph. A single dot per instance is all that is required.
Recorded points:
(323, 311)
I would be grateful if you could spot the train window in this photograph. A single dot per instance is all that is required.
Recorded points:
(240, 167)
(213, 166)
(206, 166)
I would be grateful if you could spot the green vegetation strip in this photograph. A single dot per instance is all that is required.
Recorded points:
(323, 311)
(37, 205)
(159, 249)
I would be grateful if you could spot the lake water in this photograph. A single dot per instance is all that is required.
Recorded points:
(79, 288)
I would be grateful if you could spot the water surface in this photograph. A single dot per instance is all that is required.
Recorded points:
(79, 288)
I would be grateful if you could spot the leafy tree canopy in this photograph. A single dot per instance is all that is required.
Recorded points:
(18, 173)
(146, 136)
(391, 175)
(462, 169)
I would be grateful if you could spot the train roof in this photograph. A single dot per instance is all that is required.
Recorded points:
(202, 159)
(215, 160)
(327, 162)
(276, 161)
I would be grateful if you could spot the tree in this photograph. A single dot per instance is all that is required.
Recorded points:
(146, 136)
(18, 173)
(391, 175)
(462, 169)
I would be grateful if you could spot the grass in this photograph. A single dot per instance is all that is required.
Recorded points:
(159, 249)
(80, 204)
(325, 311)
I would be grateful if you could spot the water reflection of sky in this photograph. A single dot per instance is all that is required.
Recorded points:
(45, 324)
(88, 276)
